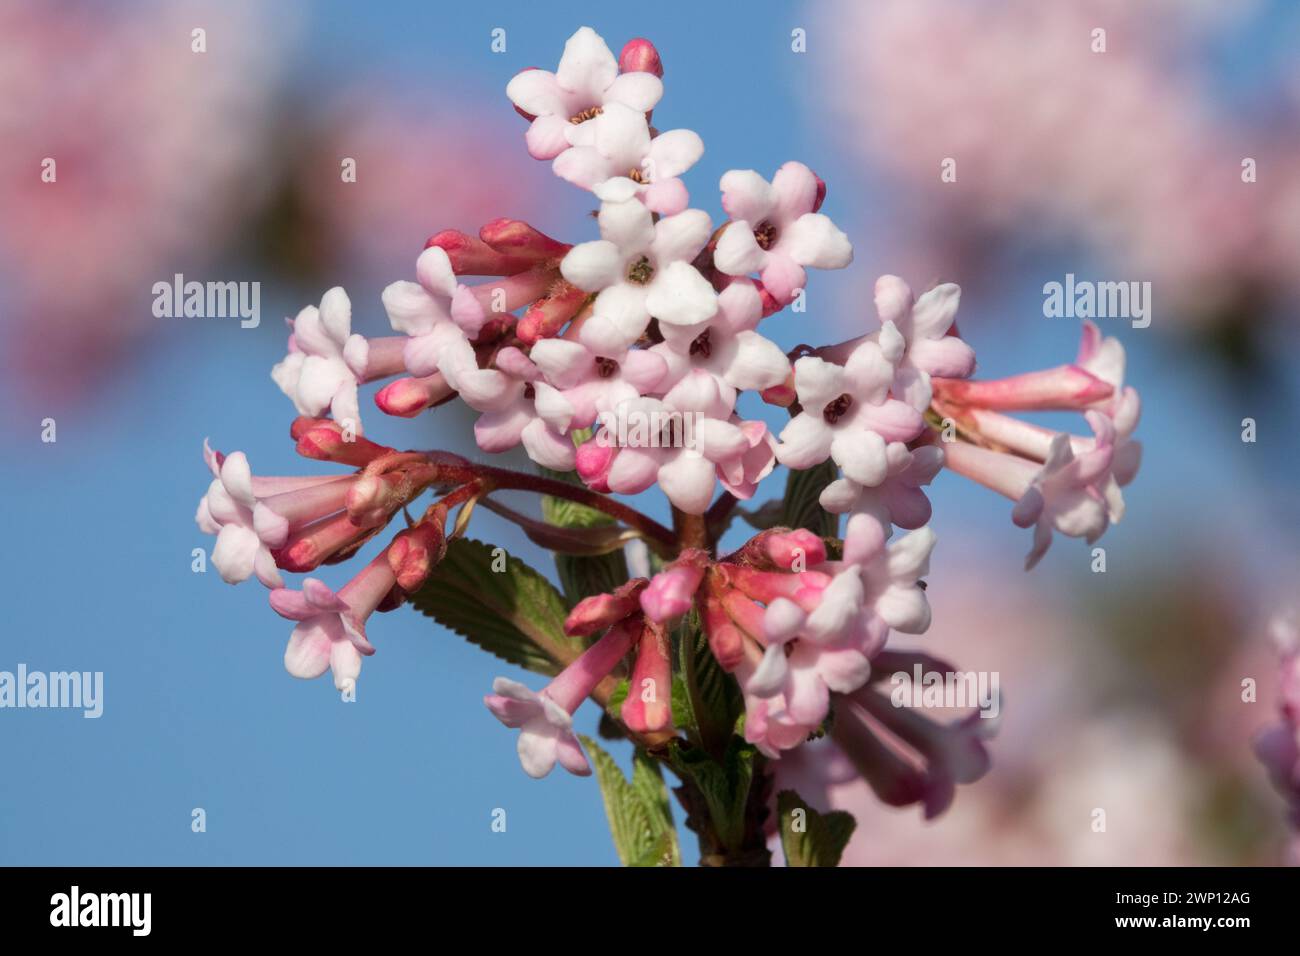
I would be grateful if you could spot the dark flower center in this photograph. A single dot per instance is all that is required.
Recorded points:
(641, 271)
(765, 235)
(529, 392)
(834, 411)
(606, 367)
(590, 113)
(701, 346)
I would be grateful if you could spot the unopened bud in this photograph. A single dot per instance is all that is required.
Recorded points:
(600, 611)
(415, 551)
(408, 397)
(326, 441)
(547, 316)
(640, 56)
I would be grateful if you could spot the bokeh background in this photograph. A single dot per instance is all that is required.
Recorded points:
(1121, 690)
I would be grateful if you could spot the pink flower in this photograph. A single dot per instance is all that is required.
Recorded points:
(1062, 493)
(619, 157)
(325, 361)
(585, 84)
(847, 414)
(898, 500)
(924, 324)
(331, 629)
(436, 313)
(641, 269)
(726, 345)
(776, 230)
(519, 407)
(904, 755)
(252, 515)
(545, 718)
(594, 383)
(1104, 358)
(682, 442)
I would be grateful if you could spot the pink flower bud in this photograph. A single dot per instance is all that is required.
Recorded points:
(407, 397)
(514, 237)
(593, 462)
(781, 549)
(725, 639)
(640, 56)
(600, 611)
(373, 499)
(671, 592)
(548, 315)
(308, 548)
(648, 705)
(1064, 388)
(325, 441)
(415, 551)
(471, 256)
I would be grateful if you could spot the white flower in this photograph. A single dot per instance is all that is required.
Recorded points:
(518, 407)
(776, 230)
(582, 87)
(898, 500)
(244, 544)
(641, 269)
(615, 156)
(924, 324)
(545, 728)
(1063, 494)
(726, 345)
(594, 383)
(325, 361)
(438, 314)
(847, 414)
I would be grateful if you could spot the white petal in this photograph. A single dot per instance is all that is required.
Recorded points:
(813, 240)
(738, 252)
(640, 91)
(681, 237)
(628, 225)
(673, 153)
(747, 195)
(587, 66)
(593, 265)
(679, 295)
(536, 92)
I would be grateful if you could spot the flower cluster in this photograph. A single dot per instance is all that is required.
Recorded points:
(621, 360)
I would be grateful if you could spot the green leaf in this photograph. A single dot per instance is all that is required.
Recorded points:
(640, 818)
(810, 838)
(724, 786)
(582, 576)
(514, 613)
(801, 507)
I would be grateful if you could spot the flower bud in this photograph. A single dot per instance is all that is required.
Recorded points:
(640, 56)
(596, 613)
(415, 551)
